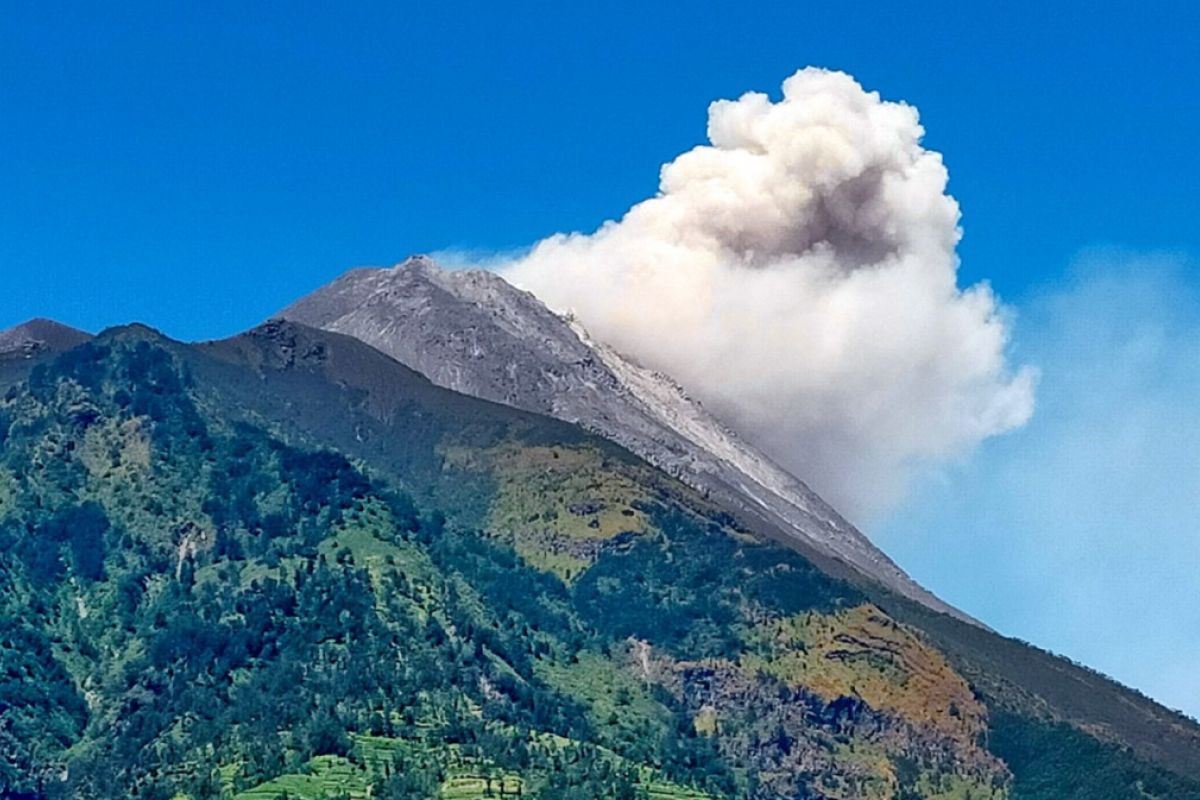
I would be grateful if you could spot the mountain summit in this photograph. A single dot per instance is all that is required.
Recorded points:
(39, 335)
(473, 332)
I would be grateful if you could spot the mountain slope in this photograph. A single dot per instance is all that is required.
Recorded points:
(201, 599)
(1009, 674)
(472, 332)
(37, 336)
(195, 606)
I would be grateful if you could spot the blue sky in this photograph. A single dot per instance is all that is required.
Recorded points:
(196, 168)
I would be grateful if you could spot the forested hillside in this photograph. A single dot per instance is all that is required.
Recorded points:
(283, 565)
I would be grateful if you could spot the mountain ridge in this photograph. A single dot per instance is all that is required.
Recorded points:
(471, 331)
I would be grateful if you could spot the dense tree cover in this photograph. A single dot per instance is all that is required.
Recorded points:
(245, 636)
(189, 605)
(1053, 761)
(684, 590)
(40, 709)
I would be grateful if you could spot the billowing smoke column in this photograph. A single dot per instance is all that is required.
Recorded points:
(798, 276)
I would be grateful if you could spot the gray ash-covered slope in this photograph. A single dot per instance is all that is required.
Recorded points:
(38, 336)
(473, 332)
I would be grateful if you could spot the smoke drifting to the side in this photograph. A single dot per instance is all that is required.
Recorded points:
(798, 276)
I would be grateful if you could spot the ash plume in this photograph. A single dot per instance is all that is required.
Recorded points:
(798, 275)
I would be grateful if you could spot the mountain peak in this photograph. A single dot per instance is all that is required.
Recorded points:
(479, 286)
(132, 330)
(418, 261)
(39, 335)
(475, 333)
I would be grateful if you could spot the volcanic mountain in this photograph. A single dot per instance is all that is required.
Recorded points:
(286, 565)
(473, 332)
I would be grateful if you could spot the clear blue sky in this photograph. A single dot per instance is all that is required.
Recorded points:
(198, 166)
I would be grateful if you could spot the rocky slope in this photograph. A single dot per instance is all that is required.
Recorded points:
(38, 335)
(472, 332)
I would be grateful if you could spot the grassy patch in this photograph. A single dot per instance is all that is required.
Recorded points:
(863, 653)
(620, 706)
(557, 504)
(327, 776)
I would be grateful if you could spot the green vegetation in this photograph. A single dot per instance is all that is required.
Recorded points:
(622, 710)
(1053, 761)
(195, 603)
(558, 506)
(862, 651)
(194, 608)
(1019, 682)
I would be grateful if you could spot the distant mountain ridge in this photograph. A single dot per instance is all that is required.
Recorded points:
(473, 332)
(38, 335)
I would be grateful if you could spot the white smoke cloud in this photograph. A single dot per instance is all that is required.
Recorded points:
(798, 275)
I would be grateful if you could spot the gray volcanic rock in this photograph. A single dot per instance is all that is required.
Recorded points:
(38, 336)
(473, 332)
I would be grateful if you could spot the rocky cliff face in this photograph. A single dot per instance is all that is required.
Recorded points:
(473, 332)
